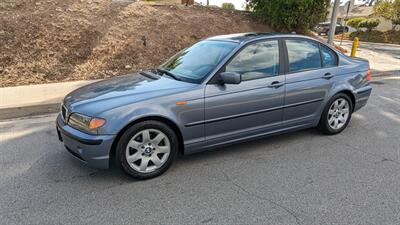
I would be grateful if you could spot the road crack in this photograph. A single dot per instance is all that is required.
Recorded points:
(258, 197)
(383, 158)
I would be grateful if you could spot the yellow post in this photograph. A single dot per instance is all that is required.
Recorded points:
(354, 47)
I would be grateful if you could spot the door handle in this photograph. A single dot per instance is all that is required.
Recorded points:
(276, 84)
(328, 76)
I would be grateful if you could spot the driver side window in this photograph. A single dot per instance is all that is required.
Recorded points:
(258, 60)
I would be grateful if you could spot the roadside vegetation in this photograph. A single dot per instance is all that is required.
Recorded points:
(391, 37)
(387, 9)
(361, 22)
(290, 15)
(390, 10)
(46, 41)
(228, 5)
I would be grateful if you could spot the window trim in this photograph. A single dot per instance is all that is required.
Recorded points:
(287, 55)
(334, 53)
(282, 63)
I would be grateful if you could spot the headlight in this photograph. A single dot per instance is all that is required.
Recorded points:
(85, 123)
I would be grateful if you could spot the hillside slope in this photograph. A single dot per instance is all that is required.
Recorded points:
(59, 40)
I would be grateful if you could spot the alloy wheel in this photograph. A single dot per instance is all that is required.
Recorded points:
(148, 150)
(338, 113)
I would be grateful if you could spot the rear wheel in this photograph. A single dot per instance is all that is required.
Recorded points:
(147, 149)
(336, 115)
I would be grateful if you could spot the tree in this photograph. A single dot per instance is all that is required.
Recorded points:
(290, 15)
(369, 24)
(390, 10)
(228, 5)
(355, 22)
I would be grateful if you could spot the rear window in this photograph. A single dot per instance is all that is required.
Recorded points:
(329, 57)
(303, 55)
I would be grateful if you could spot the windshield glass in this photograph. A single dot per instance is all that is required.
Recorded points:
(193, 64)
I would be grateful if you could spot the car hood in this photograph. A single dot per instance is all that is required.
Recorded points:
(122, 90)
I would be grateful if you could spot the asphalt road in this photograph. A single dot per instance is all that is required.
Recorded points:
(298, 178)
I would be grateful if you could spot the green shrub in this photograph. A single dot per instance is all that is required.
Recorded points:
(369, 24)
(228, 5)
(290, 15)
(390, 10)
(355, 22)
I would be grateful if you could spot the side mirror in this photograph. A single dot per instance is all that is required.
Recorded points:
(230, 77)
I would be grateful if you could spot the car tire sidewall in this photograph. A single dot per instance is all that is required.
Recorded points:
(324, 125)
(130, 132)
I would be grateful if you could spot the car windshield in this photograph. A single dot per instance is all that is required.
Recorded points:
(193, 64)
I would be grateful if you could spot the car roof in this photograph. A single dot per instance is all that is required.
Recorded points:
(246, 37)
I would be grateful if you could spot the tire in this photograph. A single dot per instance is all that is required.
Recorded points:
(334, 119)
(143, 158)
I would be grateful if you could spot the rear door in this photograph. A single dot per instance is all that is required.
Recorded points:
(311, 68)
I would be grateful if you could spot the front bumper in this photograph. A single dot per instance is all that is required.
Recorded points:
(93, 150)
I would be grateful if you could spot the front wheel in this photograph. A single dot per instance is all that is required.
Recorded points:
(336, 115)
(147, 149)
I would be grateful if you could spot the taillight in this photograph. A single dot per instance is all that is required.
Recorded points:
(369, 74)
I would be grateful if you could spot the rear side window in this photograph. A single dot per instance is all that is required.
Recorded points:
(303, 55)
(329, 57)
(258, 60)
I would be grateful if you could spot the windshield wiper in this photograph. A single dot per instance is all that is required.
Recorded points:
(164, 71)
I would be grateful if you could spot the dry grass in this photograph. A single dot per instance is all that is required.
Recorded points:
(46, 41)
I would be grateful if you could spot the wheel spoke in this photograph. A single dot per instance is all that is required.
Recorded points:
(335, 123)
(144, 163)
(331, 112)
(157, 162)
(133, 158)
(146, 136)
(158, 139)
(330, 120)
(342, 104)
(134, 144)
(162, 149)
(335, 105)
(345, 111)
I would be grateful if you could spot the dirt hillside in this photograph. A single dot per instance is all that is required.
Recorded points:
(46, 41)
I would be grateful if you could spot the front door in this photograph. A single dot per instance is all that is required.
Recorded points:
(252, 107)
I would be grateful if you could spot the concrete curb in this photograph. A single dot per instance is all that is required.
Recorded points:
(31, 100)
(27, 111)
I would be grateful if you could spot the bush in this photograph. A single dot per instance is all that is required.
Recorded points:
(389, 36)
(355, 22)
(369, 23)
(290, 15)
(228, 5)
(390, 10)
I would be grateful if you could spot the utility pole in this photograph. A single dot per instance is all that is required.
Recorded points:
(332, 26)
